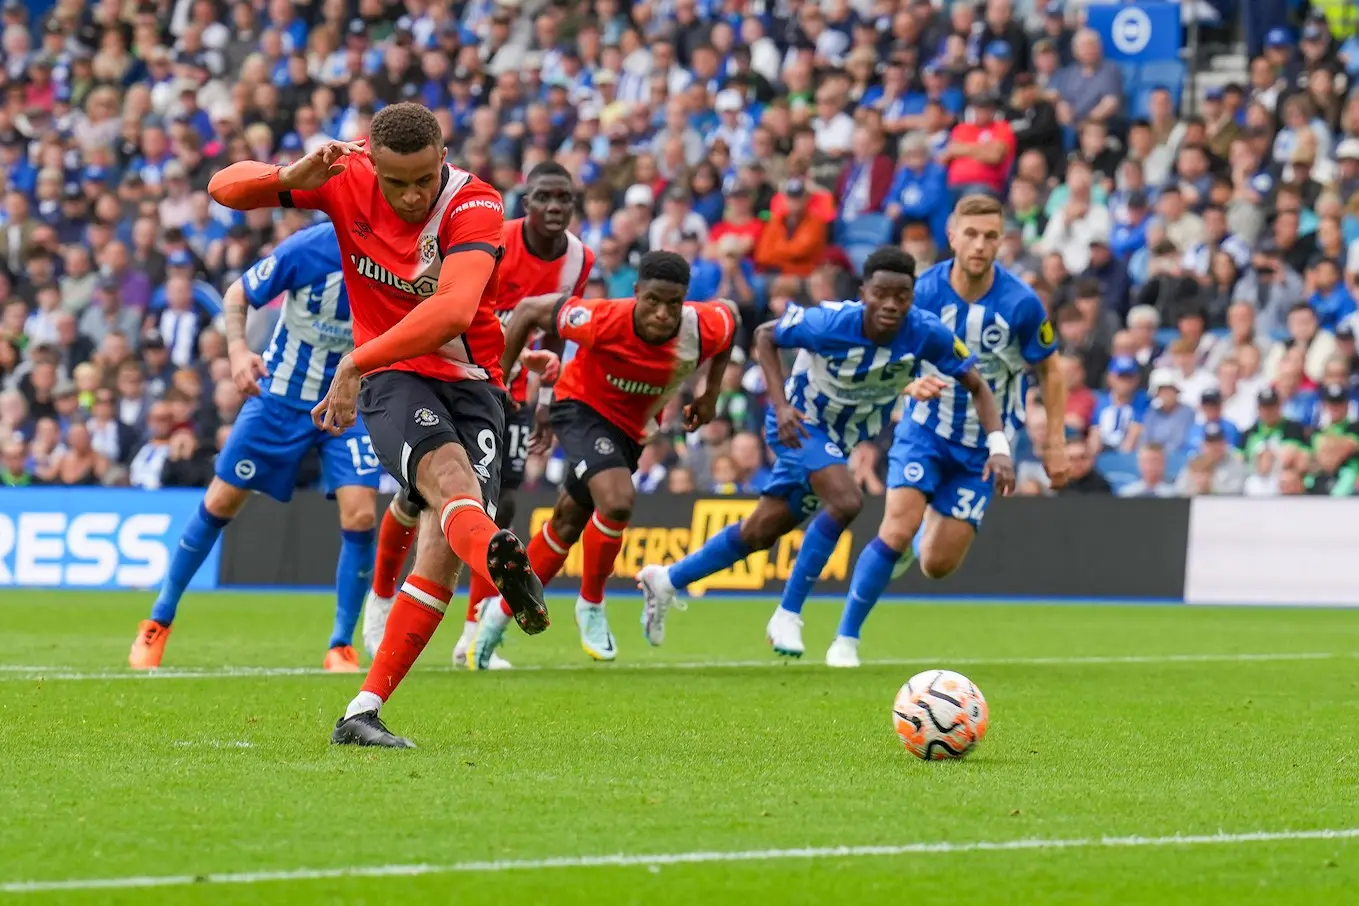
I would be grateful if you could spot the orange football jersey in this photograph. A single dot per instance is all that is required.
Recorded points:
(623, 377)
(524, 274)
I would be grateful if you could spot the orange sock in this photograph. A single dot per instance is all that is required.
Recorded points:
(394, 543)
(601, 540)
(547, 554)
(469, 531)
(479, 591)
(414, 617)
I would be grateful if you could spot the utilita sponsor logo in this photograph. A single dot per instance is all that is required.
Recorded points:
(479, 203)
(421, 286)
(628, 386)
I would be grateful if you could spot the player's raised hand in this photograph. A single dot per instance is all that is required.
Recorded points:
(338, 410)
(925, 388)
(312, 171)
(699, 413)
(544, 363)
(1056, 464)
(246, 370)
(1002, 468)
(540, 441)
(791, 427)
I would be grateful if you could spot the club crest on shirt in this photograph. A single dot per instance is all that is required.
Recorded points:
(425, 418)
(429, 249)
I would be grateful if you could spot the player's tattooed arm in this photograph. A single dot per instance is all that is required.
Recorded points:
(1053, 388)
(246, 367)
(999, 464)
(789, 420)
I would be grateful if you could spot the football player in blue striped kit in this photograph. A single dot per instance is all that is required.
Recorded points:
(938, 482)
(274, 431)
(854, 361)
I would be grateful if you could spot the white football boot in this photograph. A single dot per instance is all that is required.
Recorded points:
(843, 652)
(658, 596)
(785, 633)
(481, 654)
(468, 639)
(375, 612)
(595, 636)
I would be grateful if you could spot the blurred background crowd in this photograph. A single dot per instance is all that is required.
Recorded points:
(1195, 239)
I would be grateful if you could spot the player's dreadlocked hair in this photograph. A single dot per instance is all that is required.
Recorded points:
(890, 259)
(405, 128)
(665, 266)
(549, 168)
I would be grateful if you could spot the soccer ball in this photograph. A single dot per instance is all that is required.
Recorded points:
(939, 714)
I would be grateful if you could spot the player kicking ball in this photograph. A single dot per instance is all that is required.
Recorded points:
(421, 244)
(541, 257)
(854, 361)
(632, 356)
(938, 472)
(274, 431)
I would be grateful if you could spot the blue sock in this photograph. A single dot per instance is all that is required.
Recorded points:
(818, 543)
(723, 550)
(194, 546)
(871, 575)
(353, 574)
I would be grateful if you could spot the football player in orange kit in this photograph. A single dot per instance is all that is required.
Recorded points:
(632, 356)
(421, 246)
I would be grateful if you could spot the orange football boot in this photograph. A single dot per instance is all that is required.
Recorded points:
(342, 659)
(149, 645)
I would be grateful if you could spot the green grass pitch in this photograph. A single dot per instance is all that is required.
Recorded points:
(1137, 722)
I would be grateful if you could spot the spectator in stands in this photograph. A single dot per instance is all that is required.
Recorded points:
(981, 150)
(1151, 472)
(1271, 288)
(1080, 221)
(1119, 412)
(919, 191)
(1091, 88)
(1083, 479)
(148, 464)
(1033, 120)
(1335, 467)
(186, 464)
(79, 463)
(1305, 336)
(1330, 299)
(1111, 274)
(1220, 460)
(865, 181)
(14, 471)
(1167, 421)
(794, 243)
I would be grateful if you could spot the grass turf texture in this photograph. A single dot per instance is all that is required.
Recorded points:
(106, 778)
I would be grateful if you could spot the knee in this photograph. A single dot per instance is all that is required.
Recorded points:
(844, 510)
(224, 500)
(935, 564)
(897, 537)
(357, 519)
(615, 511)
(758, 535)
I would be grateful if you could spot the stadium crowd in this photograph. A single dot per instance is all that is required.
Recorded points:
(1199, 256)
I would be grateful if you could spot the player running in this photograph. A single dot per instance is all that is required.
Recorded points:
(633, 355)
(940, 451)
(274, 431)
(421, 243)
(854, 361)
(541, 257)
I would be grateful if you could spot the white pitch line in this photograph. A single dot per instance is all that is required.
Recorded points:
(29, 674)
(655, 860)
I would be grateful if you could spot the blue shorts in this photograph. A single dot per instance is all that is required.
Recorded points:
(948, 474)
(790, 479)
(269, 439)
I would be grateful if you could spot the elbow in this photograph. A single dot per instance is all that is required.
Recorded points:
(217, 188)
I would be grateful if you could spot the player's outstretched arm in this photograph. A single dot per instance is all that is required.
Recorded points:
(246, 367)
(1053, 388)
(791, 428)
(249, 184)
(532, 313)
(1000, 465)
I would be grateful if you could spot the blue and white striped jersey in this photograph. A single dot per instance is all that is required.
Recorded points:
(846, 384)
(314, 330)
(1007, 329)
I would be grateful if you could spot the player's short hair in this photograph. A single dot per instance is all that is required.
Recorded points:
(667, 266)
(890, 259)
(405, 128)
(549, 168)
(978, 206)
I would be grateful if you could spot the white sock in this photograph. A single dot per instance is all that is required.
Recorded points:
(847, 640)
(364, 701)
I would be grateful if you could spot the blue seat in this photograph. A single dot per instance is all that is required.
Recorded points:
(1130, 73)
(1118, 468)
(862, 236)
(1167, 74)
(1167, 335)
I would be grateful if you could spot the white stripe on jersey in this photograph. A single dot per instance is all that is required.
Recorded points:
(283, 372)
(976, 316)
(949, 315)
